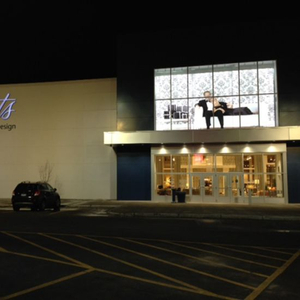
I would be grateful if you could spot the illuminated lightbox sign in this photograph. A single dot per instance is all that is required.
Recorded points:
(245, 95)
(198, 159)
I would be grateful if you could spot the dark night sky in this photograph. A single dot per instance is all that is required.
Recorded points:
(44, 41)
(48, 41)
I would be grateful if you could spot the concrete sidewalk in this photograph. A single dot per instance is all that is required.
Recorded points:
(197, 210)
(113, 208)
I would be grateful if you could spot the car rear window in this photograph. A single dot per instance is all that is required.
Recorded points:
(26, 187)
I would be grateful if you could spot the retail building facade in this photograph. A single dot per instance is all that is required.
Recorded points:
(161, 129)
(142, 134)
(60, 124)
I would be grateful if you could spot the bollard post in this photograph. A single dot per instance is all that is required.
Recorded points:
(250, 196)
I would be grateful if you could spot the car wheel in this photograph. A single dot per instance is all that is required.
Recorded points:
(42, 205)
(16, 208)
(57, 205)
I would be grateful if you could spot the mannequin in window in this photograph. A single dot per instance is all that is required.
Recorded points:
(214, 108)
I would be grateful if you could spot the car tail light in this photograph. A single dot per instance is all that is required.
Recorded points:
(37, 193)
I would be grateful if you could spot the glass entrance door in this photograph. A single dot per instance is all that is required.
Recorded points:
(202, 187)
(237, 188)
(208, 187)
(223, 188)
(217, 187)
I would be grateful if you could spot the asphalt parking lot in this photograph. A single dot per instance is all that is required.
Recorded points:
(94, 251)
(58, 266)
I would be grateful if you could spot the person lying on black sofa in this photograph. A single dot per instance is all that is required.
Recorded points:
(212, 107)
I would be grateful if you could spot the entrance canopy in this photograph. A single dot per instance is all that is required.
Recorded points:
(237, 135)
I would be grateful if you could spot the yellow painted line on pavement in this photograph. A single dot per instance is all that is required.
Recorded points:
(134, 266)
(170, 263)
(27, 291)
(47, 250)
(44, 285)
(187, 255)
(243, 246)
(273, 250)
(176, 287)
(271, 278)
(198, 258)
(30, 290)
(244, 252)
(223, 255)
(42, 258)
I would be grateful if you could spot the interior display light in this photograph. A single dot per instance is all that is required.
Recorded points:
(184, 150)
(162, 150)
(225, 149)
(271, 148)
(247, 149)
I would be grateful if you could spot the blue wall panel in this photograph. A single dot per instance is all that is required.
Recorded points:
(134, 173)
(293, 165)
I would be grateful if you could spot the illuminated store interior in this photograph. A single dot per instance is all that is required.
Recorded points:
(232, 174)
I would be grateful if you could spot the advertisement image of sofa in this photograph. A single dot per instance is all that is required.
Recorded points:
(247, 116)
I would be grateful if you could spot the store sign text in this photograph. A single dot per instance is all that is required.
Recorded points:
(6, 107)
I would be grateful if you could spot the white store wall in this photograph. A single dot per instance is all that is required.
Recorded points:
(62, 123)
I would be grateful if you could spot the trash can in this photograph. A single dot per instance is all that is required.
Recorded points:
(181, 197)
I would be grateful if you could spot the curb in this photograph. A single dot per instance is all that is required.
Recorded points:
(204, 216)
(179, 215)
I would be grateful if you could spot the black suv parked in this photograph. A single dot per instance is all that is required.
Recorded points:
(36, 195)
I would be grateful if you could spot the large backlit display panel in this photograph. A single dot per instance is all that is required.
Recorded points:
(247, 92)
